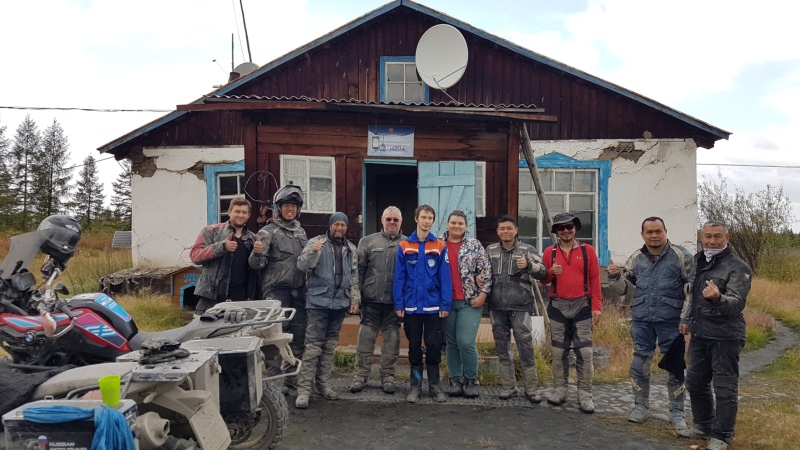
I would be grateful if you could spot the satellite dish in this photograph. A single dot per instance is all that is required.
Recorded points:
(442, 56)
(245, 68)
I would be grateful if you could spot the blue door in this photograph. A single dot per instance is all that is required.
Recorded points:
(447, 186)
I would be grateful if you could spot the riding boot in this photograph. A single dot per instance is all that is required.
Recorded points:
(641, 398)
(530, 378)
(508, 379)
(433, 385)
(415, 384)
(677, 394)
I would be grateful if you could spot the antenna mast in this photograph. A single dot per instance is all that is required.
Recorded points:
(246, 38)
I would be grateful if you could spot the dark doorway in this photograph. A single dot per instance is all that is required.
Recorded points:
(388, 184)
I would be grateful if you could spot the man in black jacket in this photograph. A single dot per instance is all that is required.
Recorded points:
(717, 325)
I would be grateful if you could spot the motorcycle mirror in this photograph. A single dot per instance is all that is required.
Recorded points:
(61, 288)
(49, 324)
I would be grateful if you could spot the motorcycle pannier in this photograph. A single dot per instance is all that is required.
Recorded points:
(22, 434)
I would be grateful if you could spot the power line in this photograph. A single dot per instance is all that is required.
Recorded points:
(748, 165)
(54, 108)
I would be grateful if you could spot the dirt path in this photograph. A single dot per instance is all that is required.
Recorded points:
(374, 420)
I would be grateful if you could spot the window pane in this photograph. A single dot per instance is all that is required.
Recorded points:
(320, 168)
(295, 168)
(394, 72)
(584, 181)
(224, 204)
(321, 201)
(587, 225)
(528, 225)
(394, 91)
(415, 92)
(228, 185)
(563, 181)
(241, 184)
(529, 203)
(224, 217)
(411, 72)
(546, 177)
(555, 202)
(525, 180)
(321, 185)
(581, 202)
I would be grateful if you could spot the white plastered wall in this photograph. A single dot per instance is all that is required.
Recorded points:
(656, 178)
(170, 207)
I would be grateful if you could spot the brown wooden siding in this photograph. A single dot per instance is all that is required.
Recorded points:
(344, 136)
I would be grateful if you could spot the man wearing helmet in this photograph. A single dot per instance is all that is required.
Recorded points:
(575, 305)
(282, 240)
(223, 250)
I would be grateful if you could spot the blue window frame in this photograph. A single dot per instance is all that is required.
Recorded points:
(223, 182)
(400, 82)
(569, 184)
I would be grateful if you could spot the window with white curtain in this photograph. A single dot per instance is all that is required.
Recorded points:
(316, 176)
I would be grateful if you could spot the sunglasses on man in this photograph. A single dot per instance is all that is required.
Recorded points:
(567, 226)
(391, 219)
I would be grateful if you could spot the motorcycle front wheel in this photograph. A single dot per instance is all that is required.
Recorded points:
(262, 429)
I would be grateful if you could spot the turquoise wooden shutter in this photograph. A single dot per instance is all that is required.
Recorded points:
(447, 186)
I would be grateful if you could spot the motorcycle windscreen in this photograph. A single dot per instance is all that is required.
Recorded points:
(21, 253)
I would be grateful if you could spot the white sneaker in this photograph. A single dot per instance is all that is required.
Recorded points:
(302, 401)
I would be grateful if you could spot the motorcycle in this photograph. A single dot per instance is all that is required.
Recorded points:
(41, 330)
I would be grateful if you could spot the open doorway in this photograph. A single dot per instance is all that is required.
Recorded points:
(389, 183)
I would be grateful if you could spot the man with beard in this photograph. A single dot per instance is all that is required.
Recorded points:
(576, 303)
(331, 263)
(282, 240)
(377, 254)
(223, 250)
(663, 274)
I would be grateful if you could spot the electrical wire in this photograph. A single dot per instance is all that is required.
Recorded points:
(55, 108)
(749, 165)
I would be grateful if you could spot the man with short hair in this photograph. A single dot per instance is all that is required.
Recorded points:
(663, 274)
(515, 267)
(715, 320)
(422, 291)
(377, 255)
(576, 303)
(331, 263)
(223, 250)
(282, 240)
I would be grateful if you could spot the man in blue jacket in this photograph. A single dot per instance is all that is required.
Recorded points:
(663, 274)
(422, 291)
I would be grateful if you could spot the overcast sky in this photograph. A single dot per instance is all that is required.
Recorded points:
(733, 64)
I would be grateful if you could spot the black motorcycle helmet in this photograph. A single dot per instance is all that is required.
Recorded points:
(565, 217)
(291, 194)
(62, 234)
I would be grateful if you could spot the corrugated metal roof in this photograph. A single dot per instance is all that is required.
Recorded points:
(356, 101)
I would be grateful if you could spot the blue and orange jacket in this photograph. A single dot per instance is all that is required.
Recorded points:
(422, 283)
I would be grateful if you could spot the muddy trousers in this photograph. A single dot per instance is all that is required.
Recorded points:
(378, 317)
(290, 298)
(460, 332)
(322, 334)
(571, 327)
(518, 322)
(714, 362)
(646, 335)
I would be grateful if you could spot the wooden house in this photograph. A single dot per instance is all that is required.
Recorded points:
(347, 118)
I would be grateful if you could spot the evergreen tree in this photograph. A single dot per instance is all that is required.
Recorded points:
(88, 200)
(23, 154)
(7, 199)
(51, 175)
(121, 200)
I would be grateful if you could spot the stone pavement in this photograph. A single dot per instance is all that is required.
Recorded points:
(614, 399)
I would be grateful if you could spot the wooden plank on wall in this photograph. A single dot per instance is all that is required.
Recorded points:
(512, 182)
